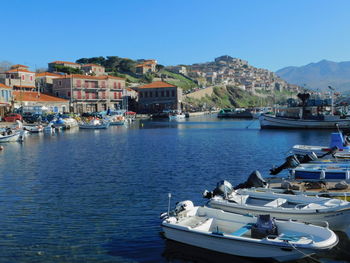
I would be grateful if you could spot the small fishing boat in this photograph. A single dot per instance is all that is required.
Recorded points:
(337, 140)
(117, 120)
(49, 128)
(11, 136)
(321, 172)
(302, 208)
(94, 124)
(307, 115)
(33, 128)
(176, 115)
(248, 236)
(65, 123)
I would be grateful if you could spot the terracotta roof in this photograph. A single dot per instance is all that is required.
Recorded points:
(18, 70)
(4, 86)
(19, 66)
(63, 62)
(43, 74)
(90, 77)
(157, 84)
(92, 65)
(34, 96)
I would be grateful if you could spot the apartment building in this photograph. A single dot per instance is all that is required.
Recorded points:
(90, 93)
(5, 99)
(19, 78)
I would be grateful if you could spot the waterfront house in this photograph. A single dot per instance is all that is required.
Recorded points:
(44, 81)
(19, 78)
(5, 99)
(158, 96)
(90, 93)
(52, 65)
(36, 101)
(93, 69)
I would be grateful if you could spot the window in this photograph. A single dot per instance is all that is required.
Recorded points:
(86, 84)
(78, 83)
(141, 94)
(87, 95)
(103, 84)
(150, 94)
(68, 94)
(22, 77)
(115, 94)
(156, 94)
(31, 78)
(115, 85)
(162, 93)
(59, 83)
(79, 94)
(57, 94)
(173, 93)
(167, 93)
(119, 85)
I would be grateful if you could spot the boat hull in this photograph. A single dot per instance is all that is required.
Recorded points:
(273, 122)
(337, 219)
(234, 247)
(16, 137)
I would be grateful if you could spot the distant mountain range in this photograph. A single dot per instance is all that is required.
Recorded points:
(319, 75)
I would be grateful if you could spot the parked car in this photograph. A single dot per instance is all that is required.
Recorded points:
(32, 117)
(12, 117)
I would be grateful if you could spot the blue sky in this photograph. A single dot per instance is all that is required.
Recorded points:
(268, 33)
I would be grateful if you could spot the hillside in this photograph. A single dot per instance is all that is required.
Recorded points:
(319, 75)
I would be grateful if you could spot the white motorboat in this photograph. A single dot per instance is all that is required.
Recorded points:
(337, 140)
(247, 236)
(176, 115)
(65, 123)
(315, 210)
(11, 136)
(94, 124)
(49, 128)
(117, 120)
(33, 128)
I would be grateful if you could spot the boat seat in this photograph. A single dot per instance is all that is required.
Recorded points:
(276, 203)
(244, 229)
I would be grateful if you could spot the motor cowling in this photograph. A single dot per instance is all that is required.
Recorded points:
(183, 205)
(254, 180)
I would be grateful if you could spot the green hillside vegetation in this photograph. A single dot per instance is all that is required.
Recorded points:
(233, 97)
(179, 80)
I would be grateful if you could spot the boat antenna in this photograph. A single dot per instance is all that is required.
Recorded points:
(169, 196)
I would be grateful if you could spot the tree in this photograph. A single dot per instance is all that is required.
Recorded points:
(68, 70)
(5, 65)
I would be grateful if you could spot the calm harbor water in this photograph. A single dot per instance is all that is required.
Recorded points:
(96, 196)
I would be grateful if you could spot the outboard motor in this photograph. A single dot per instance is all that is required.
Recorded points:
(291, 162)
(223, 188)
(183, 205)
(254, 180)
(308, 158)
(264, 227)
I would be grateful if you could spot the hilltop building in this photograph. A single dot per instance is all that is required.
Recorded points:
(93, 69)
(158, 96)
(52, 65)
(146, 66)
(90, 93)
